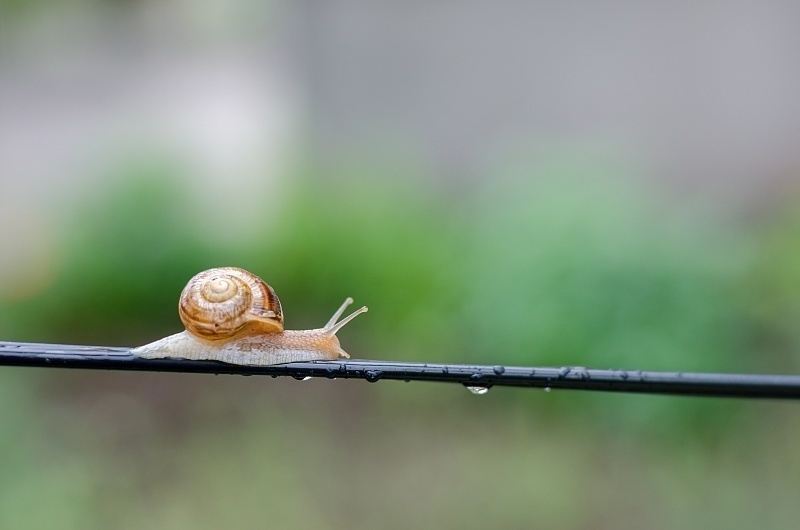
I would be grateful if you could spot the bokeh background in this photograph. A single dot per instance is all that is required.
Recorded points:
(605, 184)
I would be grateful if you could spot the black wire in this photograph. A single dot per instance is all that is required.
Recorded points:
(567, 378)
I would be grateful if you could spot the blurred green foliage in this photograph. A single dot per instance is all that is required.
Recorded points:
(557, 261)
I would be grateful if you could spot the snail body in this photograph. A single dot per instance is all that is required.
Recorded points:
(233, 316)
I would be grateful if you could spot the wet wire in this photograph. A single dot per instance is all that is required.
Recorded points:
(478, 378)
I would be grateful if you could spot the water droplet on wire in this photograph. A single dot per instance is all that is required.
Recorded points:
(478, 390)
(372, 375)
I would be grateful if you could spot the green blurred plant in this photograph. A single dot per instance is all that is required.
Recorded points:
(558, 261)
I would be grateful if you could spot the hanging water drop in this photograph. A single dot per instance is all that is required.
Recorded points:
(547, 389)
(478, 390)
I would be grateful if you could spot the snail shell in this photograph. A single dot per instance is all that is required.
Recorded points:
(219, 303)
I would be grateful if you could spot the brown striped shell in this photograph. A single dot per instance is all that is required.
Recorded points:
(219, 303)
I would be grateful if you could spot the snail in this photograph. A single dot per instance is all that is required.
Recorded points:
(233, 316)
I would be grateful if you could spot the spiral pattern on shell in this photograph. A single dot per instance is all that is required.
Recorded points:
(219, 303)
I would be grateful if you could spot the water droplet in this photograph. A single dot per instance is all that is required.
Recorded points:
(476, 377)
(300, 377)
(372, 375)
(478, 390)
(445, 370)
(306, 378)
(623, 375)
(547, 389)
(563, 372)
(499, 370)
